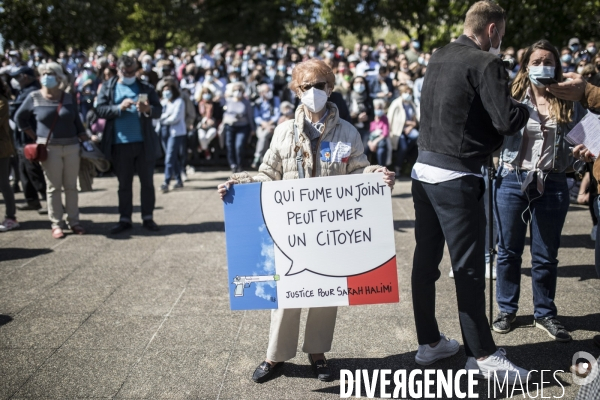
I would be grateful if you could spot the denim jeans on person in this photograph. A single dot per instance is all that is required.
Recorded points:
(382, 150)
(405, 144)
(545, 215)
(236, 140)
(488, 259)
(127, 159)
(61, 170)
(173, 147)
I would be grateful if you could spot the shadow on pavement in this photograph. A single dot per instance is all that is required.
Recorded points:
(583, 272)
(14, 253)
(103, 228)
(5, 319)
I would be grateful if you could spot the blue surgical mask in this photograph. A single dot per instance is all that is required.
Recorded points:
(281, 67)
(167, 94)
(379, 113)
(566, 58)
(49, 81)
(206, 96)
(128, 80)
(359, 88)
(540, 72)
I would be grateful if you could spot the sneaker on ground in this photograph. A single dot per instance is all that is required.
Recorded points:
(190, 170)
(164, 188)
(8, 224)
(487, 271)
(554, 328)
(183, 176)
(502, 322)
(497, 364)
(427, 355)
(451, 273)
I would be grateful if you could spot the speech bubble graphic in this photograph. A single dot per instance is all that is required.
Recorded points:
(344, 222)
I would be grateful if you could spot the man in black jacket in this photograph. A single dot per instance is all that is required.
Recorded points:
(466, 110)
(129, 140)
(32, 175)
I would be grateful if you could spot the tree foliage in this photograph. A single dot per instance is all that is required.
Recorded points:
(151, 24)
(56, 24)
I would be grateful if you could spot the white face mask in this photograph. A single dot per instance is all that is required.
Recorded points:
(495, 50)
(579, 70)
(314, 99)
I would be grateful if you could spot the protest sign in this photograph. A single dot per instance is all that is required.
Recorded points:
(315, 242)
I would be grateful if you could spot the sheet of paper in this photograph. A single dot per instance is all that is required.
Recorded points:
(587, 132)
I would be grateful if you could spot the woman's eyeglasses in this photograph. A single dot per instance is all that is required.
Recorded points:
(318, 85)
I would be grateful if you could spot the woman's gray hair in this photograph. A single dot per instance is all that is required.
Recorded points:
(58, 72)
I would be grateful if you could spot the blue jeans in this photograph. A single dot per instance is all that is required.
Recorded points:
(236, 140)
(405, 144)
(173, 147)
(488, 259)
(382, 152)
(546, 216)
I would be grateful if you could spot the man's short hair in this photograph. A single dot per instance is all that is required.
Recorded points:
(483, 13)
(126, 62)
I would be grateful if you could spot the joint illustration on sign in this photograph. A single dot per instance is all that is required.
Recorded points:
(242, 282)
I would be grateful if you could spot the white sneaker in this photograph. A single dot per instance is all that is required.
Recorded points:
(184, 177)
(593, 234)
(445, 348)
(451, 274)
(497, 364)
(487, 271)
(9, 224)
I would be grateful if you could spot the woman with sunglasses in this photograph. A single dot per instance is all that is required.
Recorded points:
(316, 121)
(531, 189)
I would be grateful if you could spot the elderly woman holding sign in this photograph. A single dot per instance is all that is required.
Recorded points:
(295, 152)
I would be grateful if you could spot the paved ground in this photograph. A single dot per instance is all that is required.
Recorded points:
(146, 315)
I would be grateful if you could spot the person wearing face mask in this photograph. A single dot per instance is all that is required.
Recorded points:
(318, 130)
(147, 72)
(60, 128)
(466, 110)
(202, 59)
(172, 133)
(531, 188)
(130, 141)
(595, 79)
(239, 125)
(286, 110)
(266, 115)
(403, 119)
(211, 114)
(360, 104)
(379, 132)
(32, 176)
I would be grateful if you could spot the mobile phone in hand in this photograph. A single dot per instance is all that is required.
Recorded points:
(142, 98)
(547, 81)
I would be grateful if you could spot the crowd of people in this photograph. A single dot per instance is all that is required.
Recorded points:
(135, 108)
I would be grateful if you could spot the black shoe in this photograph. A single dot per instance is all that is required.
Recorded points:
(554, 328)
(16, 188)
(150, 225)
(29, 206)
(321, 369)
(120, 227)
(178, 186)
(503, 321)
(164, 188)
(265, 371)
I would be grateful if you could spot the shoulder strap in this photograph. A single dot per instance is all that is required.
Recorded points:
(62, 96)
(299, 153)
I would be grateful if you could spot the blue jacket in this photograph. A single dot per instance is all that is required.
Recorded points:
(110, 111)
(563, 158)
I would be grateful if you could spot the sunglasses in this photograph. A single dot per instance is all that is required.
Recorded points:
(318, 85)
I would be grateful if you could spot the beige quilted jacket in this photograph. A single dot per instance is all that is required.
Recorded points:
(340, 151)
